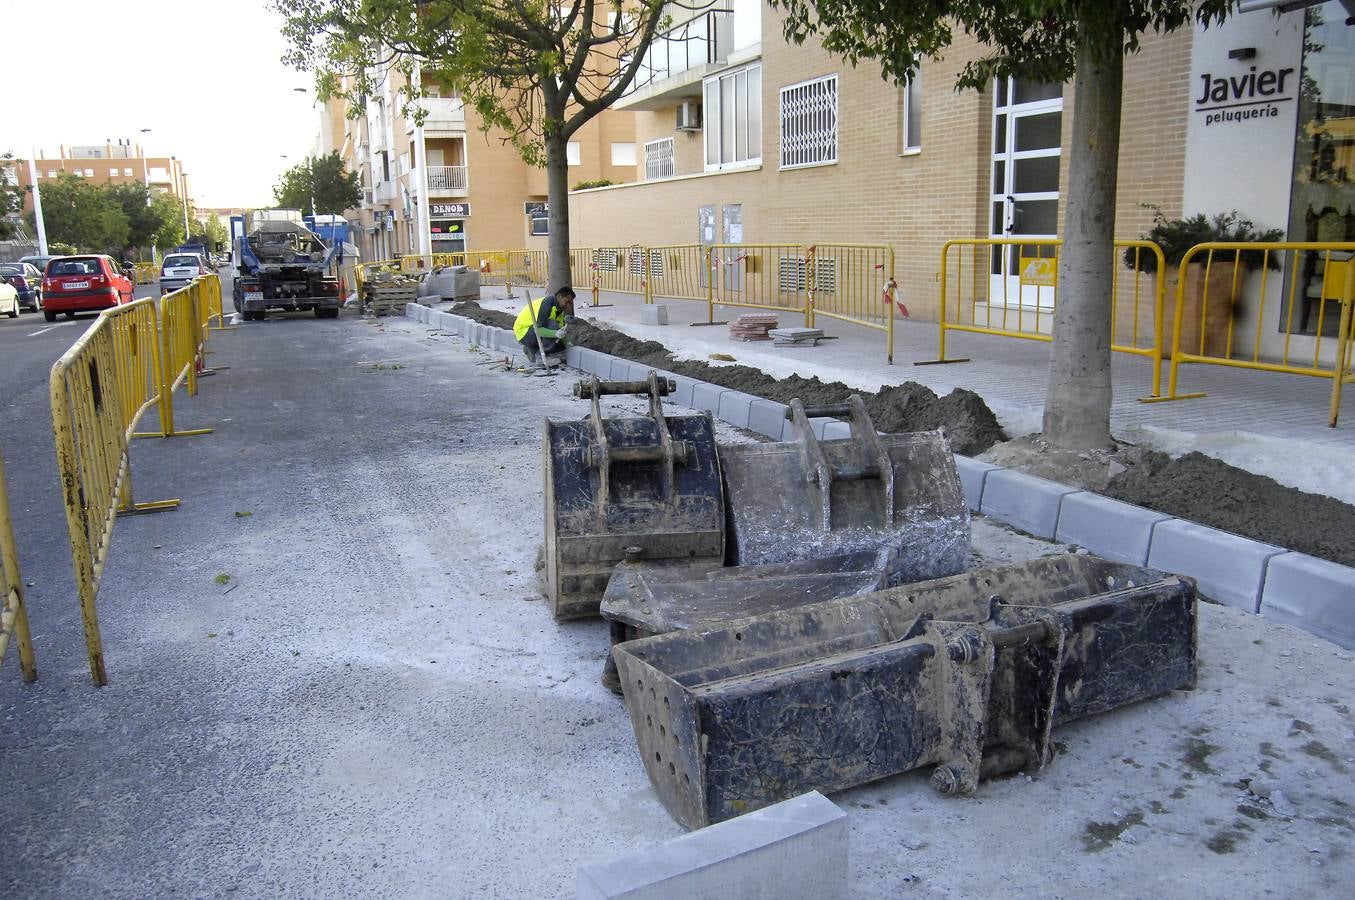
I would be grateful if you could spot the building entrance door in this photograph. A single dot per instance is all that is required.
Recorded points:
(1027, 128)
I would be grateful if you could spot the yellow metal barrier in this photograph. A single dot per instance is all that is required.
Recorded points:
(1231, 311)
(92, 420)
(855, 283)
(13, 616)
(147, 273)
(760, 276)
(183, 338)
(677, 272)
(493, 265)
(1013, 290)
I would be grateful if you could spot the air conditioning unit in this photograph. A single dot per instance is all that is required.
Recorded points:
(689, 116)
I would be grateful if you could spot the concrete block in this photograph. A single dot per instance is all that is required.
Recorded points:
(686, 387)
(794, 850)
(836, 430)
(767, 417)
(657, 314)
(972, 475)
(817, 426)
(467, 327)
(1109, 528)
(504, 341)
(477, 336)
(638, 372)
(573, 357)
(411, 311)
(1312, 594)
(619, 369)
(1023, 501)
(707, 396)
(1227, 568)
(735, 407)
(595, 363)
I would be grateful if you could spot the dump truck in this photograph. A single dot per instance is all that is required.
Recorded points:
(282, 264)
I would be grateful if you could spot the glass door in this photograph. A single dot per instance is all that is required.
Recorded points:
(1027, 146)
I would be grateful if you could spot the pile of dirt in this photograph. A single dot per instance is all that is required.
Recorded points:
(970, 424)
(1194, 487)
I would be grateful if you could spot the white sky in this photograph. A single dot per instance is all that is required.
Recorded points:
(205, 78)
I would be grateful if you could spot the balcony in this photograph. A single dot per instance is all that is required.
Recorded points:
(448, 181)
(679, 59)
(445, 115)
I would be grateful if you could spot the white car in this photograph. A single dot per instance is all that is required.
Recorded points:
(178, 269)
(9, 301)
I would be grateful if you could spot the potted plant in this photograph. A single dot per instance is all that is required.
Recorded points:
(1209, 303)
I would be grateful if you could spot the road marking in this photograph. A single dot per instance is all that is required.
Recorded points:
(47, 329)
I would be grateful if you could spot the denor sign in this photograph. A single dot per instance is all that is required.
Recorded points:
(459, 210)
(1243, 96)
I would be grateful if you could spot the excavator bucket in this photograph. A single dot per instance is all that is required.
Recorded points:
(965, 675)
(810, 498)
(645, 484)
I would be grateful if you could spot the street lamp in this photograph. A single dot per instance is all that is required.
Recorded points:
(146, 180)
(183, 192)
(37, 200)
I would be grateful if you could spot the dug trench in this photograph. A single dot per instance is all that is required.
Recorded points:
(1195, 487)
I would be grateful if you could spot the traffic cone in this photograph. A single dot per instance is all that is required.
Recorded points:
(343, 289)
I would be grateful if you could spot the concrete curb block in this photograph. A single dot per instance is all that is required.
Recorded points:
(1109, 528)
(972, 475)
(1314, 594)
(411, 311)
(792, 850)
(1227, 568)
(767, 417)
(1024, 501)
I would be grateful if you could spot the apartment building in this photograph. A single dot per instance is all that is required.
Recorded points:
(447, 185)
(108, 164)
(746, 139)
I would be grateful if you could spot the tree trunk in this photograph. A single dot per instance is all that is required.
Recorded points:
(557, 192)
(1077, 406)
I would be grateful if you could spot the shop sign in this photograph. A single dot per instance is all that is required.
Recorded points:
(1246, 96)
(536, 208)
(449, 209)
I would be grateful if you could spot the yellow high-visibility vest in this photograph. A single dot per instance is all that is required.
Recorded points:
(528, 316)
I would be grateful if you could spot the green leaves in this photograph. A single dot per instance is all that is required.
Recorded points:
(326, 181)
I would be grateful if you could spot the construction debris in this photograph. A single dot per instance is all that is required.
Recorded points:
(752, 327)
(967, 674)
(796, 337)
(387, 293)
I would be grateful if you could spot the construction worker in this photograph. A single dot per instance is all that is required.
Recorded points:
(550, 315)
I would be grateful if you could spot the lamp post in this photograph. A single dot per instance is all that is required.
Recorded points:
(146, 180)
(183, 193)
(37, 201)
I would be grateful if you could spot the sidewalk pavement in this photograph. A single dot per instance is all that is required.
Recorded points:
(1270, 423)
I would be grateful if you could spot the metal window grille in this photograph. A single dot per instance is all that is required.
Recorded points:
(637, 263)
(607, 259)
(659, 159)
(791, 275)
(809, 123)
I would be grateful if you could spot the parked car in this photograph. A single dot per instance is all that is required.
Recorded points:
(178, 269)
(25, 279)
(75, 284)
(9, 301)
(37, 262)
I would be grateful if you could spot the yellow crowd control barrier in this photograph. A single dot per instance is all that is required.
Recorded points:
(760, 276)
(855, 283)
(677, 272)
(183, 337)
(1008, 287)
(147, 273)
(1282, 306)
(92, 419)
(13, 616)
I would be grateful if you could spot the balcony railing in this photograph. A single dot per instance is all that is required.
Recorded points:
(444, 114)
(699, 41)
(447, 180)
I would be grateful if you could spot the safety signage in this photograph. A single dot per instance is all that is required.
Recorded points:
(1039, 271)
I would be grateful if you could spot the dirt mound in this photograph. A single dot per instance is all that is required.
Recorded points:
(1211, 492)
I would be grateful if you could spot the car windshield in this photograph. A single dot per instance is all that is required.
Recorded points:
(175, 261)
(75, 267)
(11, 270)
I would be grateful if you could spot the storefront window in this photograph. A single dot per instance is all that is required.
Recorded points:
(1322, 206)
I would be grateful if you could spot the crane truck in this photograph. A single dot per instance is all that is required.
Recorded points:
(282, 264)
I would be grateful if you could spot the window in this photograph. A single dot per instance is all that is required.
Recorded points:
(540, 223)
(733, 114)
(127, 173)
(572, 153)
(912, 113)
(659, 159)
(89, 173)
(809, 123)
(623, 153)
(51, 173)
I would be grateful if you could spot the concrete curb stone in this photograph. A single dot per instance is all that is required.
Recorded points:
(1109, 528)
(1315, 594)
(1025, 501)
(972, 475)
(1227, 568)
(735, 407)
(707, 396)
(767, 417)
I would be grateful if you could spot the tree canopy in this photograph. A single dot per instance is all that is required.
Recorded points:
(1050, 41)
(322, 185)
(536, 70)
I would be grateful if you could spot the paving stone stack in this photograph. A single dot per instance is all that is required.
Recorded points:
(753, 327)
(795, 337)
(388, 293)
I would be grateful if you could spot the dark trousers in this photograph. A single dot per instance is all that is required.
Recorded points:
(550, 346)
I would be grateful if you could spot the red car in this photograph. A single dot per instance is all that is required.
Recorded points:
(75, 284)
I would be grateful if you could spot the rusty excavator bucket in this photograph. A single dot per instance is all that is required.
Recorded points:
(808, 498)
(647, 484)
(965, 675)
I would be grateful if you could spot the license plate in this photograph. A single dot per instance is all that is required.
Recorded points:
(75, 285)
(253, 295)
(182, 273)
